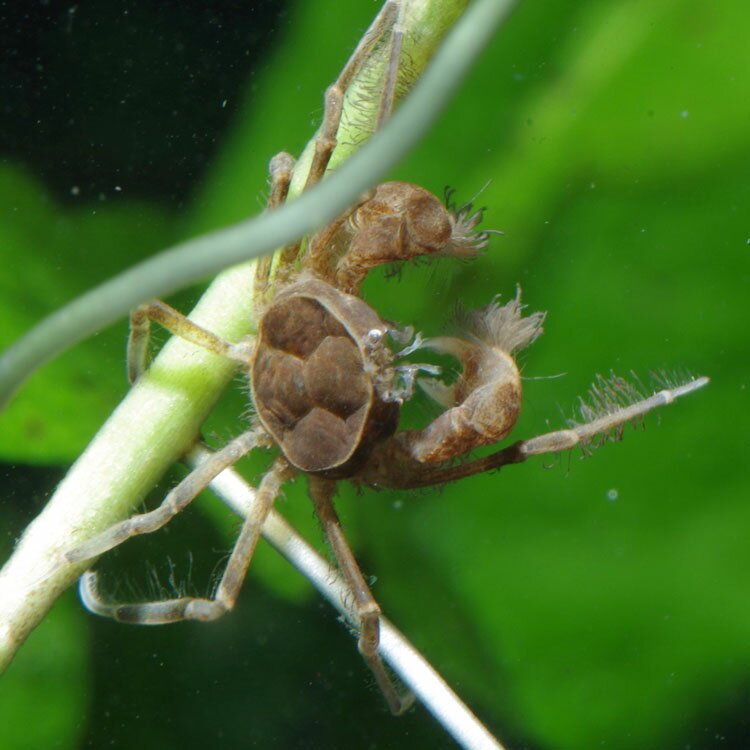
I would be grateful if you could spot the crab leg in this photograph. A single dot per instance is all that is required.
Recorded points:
(368, 610)
(175, 322)
(186, 608)
(280, 170)
(326, 141)
(176, 500)
(417, 475)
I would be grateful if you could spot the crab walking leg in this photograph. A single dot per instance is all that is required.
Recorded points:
(391, 73)
(195, 608)
(325, 141)
(175, 501)
(424, 475)
(368, 610)
(280, 170)
(178, 324)
(562, 440)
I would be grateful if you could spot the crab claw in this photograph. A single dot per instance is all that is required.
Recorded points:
(484, 403)
(402, 222)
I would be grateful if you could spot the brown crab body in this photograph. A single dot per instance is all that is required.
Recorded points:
(321, 379)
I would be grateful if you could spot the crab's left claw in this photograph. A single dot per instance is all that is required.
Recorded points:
(483, 405)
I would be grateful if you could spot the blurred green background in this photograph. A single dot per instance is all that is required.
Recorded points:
(573, 604)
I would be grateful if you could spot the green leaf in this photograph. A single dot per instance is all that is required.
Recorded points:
(48, 255)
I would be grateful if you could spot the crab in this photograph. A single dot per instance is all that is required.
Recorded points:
(327, 386)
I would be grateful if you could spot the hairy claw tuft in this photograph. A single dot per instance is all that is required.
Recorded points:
(503, 326)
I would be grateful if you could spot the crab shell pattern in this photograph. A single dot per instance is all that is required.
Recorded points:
(321, 378)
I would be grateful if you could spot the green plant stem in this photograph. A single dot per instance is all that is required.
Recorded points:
(161, 415)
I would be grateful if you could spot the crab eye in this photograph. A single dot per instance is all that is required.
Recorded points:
(374, 336)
